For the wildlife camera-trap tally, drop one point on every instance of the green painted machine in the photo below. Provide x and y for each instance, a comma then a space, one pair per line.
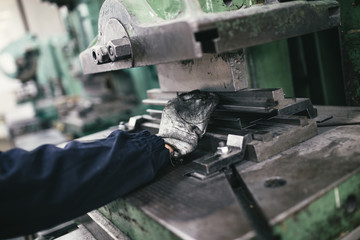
269, 167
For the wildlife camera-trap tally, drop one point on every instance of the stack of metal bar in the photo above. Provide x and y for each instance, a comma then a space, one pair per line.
251, 124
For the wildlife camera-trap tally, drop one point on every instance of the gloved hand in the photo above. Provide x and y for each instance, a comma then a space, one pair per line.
184, 121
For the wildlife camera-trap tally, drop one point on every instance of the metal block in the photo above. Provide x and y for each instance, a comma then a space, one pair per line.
263, 136
213, 163
253, 97
283, 137
297, 106
236, 141
226, 155
218, 73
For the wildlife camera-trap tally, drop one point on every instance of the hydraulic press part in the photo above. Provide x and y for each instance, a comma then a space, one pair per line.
155, 39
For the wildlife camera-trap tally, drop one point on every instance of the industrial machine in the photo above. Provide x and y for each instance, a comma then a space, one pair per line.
267, 168
55, 90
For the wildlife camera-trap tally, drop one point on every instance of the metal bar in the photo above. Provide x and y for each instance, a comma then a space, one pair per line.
154, 113
236, 108
156, 102
105, 226
228, 122
211, 163
301, 105
292, 120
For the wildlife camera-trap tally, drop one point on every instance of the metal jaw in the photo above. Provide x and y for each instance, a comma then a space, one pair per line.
193, 31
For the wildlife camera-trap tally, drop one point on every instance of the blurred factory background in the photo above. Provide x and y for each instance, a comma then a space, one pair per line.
44, 97
309, 50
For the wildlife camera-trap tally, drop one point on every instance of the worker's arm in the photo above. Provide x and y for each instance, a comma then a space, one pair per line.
50, 185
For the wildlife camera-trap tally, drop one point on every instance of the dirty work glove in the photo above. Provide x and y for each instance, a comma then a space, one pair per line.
184, 121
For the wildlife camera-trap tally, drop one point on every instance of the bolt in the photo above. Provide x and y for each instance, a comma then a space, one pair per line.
100, 54
222, 149
119, 49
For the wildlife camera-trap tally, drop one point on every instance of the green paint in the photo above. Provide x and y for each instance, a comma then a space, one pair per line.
214, 6
143, 78
154, 11
350, 15
329, 217
350, 36
269, 66
255, 25
316, 67
354, 52
82, 22
330, 74
72, 85
135, 223
166, 9
143, 11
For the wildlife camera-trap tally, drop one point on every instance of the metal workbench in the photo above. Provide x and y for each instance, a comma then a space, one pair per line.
310, 191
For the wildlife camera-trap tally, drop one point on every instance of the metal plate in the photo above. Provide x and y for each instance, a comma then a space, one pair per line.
310, 169
191, 208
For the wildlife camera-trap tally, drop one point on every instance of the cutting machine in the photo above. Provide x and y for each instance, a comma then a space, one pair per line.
262, 170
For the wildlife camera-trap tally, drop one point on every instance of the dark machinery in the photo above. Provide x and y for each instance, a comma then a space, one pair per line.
261, 171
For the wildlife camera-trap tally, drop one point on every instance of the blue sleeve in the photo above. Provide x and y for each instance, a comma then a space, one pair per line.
50, 185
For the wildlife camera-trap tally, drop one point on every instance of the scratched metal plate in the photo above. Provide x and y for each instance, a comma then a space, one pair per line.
193, 208
310, 169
